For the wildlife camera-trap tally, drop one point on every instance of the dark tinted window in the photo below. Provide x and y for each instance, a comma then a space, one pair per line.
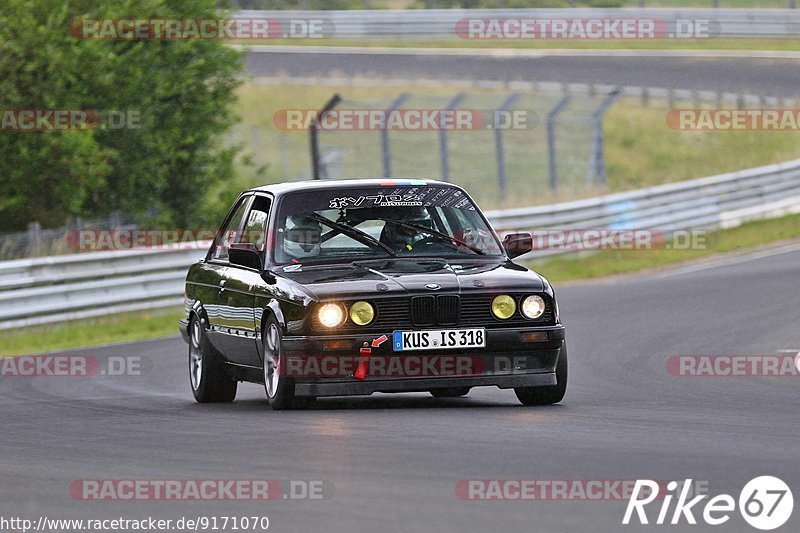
231, 232
255, 229
380, 221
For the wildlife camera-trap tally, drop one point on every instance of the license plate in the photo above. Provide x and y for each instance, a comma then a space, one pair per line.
438, 339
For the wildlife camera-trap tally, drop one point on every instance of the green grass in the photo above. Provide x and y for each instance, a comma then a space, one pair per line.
123, 327
611, 262
641, 150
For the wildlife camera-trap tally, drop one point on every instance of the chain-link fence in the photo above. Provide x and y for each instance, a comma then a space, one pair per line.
559, 155
556, 153
513, 148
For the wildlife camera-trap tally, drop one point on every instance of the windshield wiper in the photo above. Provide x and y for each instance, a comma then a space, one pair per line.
361, 236
433, 232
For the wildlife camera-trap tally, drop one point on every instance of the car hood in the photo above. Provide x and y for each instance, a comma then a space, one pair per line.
412, 276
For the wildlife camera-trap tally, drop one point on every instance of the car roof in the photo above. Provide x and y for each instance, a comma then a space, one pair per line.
293, 186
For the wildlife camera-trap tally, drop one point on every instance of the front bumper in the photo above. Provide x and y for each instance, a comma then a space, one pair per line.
368, 386
507, 361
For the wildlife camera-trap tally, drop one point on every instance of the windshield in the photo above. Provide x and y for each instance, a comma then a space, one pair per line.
377, 222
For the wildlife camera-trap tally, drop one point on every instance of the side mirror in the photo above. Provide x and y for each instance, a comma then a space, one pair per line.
245, 254
517, 244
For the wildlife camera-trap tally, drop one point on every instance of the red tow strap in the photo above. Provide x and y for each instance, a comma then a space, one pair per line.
364, 355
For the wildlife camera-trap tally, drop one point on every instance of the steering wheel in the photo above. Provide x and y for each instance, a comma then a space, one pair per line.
432, 239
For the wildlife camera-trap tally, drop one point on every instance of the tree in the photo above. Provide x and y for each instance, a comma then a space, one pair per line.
179, 90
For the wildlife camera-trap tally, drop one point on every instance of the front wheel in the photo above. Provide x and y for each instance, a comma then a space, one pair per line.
551, 394
279, 388
209, 382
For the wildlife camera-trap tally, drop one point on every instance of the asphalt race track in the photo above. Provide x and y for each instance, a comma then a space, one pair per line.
392, 462
772, 77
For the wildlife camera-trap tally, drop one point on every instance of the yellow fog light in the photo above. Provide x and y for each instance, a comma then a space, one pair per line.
533, 306
362, 313
503, 306
331, 315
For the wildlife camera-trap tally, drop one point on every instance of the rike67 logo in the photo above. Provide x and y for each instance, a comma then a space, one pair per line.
766, 503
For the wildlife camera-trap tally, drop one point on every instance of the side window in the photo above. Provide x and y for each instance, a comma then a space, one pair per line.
471, 230
255, 229
440, 220
229, 234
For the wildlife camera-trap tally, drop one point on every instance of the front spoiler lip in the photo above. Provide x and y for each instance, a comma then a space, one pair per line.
365, 388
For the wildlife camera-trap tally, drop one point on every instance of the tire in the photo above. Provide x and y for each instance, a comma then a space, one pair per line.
209, 382
279, 388
550, 394
450, 392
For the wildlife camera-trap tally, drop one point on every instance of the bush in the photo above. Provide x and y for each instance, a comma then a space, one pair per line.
180, 89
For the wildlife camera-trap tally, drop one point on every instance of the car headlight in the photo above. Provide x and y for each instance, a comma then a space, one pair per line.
533, 306
503, 306
331, 315
362, 313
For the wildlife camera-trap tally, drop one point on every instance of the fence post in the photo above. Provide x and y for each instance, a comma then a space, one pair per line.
313, 136
284, 147
551, 139
597, 156
443, 137
498, 145
34, 237
387, 157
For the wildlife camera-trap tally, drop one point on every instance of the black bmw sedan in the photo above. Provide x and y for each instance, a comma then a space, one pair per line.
333, 288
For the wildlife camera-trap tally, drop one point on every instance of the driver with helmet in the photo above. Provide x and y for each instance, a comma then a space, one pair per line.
302, 237
403, 238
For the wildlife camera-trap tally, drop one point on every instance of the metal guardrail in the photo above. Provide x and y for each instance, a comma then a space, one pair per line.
441, 23
716, 202
53, 289
705, 203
